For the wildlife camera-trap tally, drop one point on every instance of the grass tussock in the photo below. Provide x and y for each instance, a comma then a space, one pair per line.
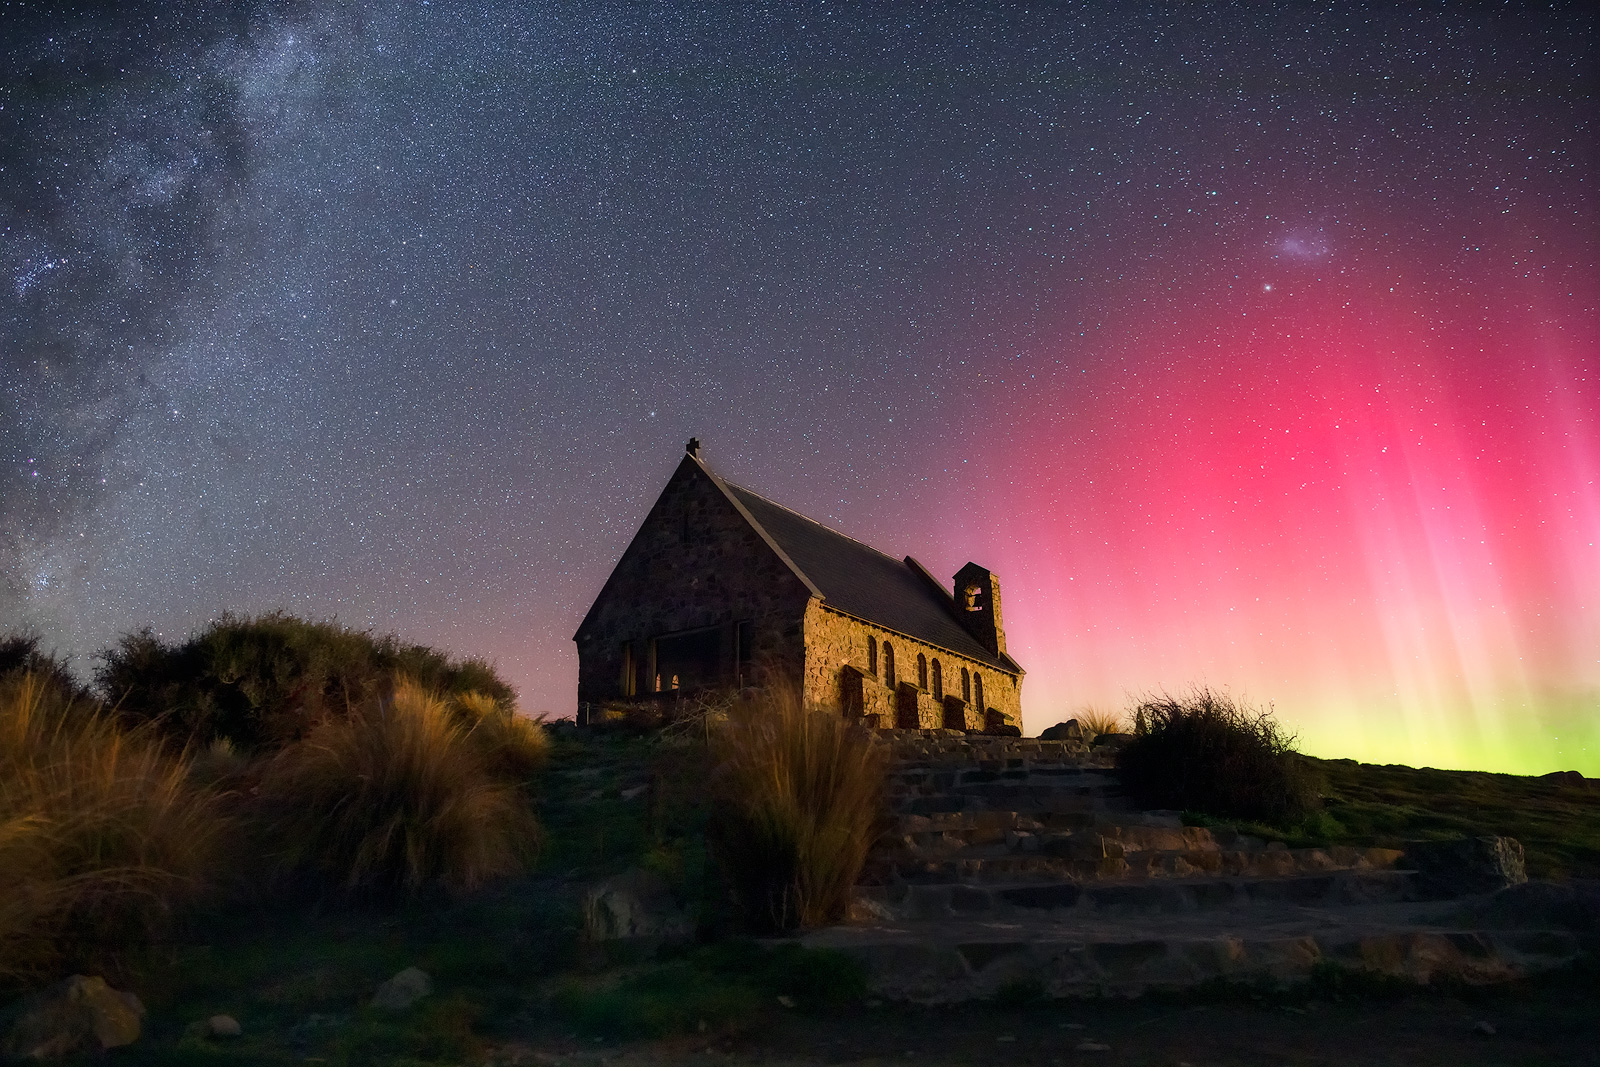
1095, 721
796, 801
1206, 752
398, 796
515, 745
102, 831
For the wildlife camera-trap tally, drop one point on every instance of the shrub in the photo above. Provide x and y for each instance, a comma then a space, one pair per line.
397, 797
796, 802
19, 655
102, 831
1205, 752
266, 681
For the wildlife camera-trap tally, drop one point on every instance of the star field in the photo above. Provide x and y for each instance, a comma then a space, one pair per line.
1249, 345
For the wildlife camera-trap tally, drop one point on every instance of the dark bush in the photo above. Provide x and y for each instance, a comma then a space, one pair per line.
1206, 753
264, 682
19, 655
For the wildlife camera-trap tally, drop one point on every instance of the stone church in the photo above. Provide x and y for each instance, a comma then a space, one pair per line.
723, 589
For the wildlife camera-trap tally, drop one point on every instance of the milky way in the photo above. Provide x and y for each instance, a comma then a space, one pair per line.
1252, 347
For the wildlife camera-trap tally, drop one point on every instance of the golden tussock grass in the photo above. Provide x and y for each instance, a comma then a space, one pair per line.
102, 831
397, 796
797, 798
516, 745
1096, 721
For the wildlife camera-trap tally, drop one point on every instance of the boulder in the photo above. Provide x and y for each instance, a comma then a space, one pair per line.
1112, 741
1063, 731
634, 904
403, 990
223, 1026
1467, 866
76, 1016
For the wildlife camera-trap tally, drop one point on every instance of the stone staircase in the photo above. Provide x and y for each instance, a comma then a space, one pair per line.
1018, 863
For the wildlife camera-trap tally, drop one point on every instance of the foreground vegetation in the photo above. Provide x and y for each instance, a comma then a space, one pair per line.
262, 682
118, 826
1205, 751
798, 799
265, 850
103, 832
280, 875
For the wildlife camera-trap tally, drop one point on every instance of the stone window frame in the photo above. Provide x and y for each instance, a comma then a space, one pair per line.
888, 665
977, 691
872, 656
966, 685
922, 672
938, 680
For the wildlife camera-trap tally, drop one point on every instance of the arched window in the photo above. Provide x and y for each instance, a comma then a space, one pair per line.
872, 656
977, 686
938, 681
922, 672
888, 663
966, 686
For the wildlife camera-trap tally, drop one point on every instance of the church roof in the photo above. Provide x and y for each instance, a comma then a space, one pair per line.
859, 580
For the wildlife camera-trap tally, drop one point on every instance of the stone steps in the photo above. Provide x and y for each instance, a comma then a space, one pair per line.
995, 863
971, 899
1013, 861
1092, 953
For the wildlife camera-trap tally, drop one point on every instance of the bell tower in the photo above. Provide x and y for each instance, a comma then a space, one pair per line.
978, 605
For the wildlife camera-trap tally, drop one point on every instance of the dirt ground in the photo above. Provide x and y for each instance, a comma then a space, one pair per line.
1553, 1024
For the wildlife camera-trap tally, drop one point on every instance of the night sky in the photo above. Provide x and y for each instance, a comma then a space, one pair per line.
1255, 347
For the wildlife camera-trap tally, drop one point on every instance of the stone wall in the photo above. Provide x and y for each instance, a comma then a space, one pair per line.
695, 562
834, 640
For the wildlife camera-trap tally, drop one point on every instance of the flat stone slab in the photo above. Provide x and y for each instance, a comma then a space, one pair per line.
952, 960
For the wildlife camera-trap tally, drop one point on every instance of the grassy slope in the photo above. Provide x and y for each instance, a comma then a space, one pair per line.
298, 977
1558, 824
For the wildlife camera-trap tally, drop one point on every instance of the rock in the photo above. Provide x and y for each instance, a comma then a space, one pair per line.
1115, 741
403, 990
1063, 731
223, 1026
1003, 729
1093, 1046
634, 904
864, 909
79, 1015
1483, 1029
1467, 866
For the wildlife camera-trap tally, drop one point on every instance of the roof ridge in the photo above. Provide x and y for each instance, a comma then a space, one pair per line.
814, 522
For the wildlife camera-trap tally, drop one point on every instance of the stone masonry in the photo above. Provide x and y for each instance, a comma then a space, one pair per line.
695, 564
834, 641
